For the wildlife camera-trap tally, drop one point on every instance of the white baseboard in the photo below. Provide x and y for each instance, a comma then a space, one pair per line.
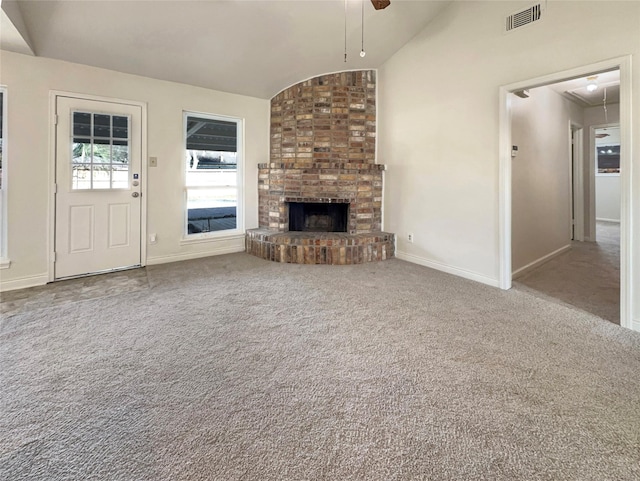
537, 263
635, 325
24, 282
194, 255
456, 271
615, 221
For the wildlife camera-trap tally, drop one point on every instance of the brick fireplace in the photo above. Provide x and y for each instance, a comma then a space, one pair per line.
320, 196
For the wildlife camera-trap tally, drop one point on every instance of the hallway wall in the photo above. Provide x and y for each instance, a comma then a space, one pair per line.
541, 175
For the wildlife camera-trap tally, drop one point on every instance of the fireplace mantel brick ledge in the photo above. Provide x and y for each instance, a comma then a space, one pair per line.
323, 136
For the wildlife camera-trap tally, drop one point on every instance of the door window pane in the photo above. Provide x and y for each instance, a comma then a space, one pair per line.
101, 177
101, 125
120, 152
100, 151
82, 124
119, 177
120, 127
81, 176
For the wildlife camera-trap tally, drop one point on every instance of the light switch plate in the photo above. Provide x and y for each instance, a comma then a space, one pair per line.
153, 161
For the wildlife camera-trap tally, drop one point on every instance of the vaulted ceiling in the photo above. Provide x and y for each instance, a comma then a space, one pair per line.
254, 48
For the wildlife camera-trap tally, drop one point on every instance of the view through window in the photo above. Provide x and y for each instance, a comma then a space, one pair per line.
212, 166
608, 150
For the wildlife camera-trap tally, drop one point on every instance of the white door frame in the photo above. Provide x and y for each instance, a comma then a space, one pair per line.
504, 189
53, 95
577, 181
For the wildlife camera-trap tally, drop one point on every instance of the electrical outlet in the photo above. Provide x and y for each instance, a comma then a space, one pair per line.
410, 237
153, 238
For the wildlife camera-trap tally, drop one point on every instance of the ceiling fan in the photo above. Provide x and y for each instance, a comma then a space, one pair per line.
380, 4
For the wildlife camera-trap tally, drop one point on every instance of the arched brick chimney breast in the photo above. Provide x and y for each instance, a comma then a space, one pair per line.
323, 138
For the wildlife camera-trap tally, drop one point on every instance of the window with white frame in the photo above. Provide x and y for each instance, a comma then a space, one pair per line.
3, 178
608, 151
213, 165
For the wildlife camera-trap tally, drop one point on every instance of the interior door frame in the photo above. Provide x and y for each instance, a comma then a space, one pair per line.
504, 187
577, 181
53, 96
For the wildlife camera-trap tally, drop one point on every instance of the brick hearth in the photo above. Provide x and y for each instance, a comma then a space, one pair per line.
319, 247
323, 151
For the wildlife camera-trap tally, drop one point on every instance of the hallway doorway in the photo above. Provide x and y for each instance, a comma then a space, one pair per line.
562, 260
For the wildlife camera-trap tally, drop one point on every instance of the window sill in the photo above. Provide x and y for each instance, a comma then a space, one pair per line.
209, 237
5, 263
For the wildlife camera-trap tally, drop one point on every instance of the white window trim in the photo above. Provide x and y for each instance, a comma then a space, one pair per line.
223, 234
5, 262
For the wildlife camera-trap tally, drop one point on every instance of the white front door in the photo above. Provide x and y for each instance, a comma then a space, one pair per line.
98, 186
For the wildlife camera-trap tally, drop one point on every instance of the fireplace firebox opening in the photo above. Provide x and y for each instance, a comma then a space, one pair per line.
318, 217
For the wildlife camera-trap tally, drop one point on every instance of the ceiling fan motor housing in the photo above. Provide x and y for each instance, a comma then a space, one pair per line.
380, 4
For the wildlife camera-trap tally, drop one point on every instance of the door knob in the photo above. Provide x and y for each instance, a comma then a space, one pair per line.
135, 194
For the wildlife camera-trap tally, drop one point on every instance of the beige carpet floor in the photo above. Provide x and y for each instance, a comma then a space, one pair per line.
587, 276
235, 368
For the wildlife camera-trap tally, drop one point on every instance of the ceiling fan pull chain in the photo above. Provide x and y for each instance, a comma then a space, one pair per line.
362, 52
345, 31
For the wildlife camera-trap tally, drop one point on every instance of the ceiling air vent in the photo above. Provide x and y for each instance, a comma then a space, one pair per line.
524, 17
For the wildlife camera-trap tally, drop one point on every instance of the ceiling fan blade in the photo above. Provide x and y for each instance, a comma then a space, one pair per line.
380, 4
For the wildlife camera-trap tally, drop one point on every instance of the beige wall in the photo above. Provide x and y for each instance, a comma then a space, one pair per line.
541, 175
608, 198
30, 80
439, 120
